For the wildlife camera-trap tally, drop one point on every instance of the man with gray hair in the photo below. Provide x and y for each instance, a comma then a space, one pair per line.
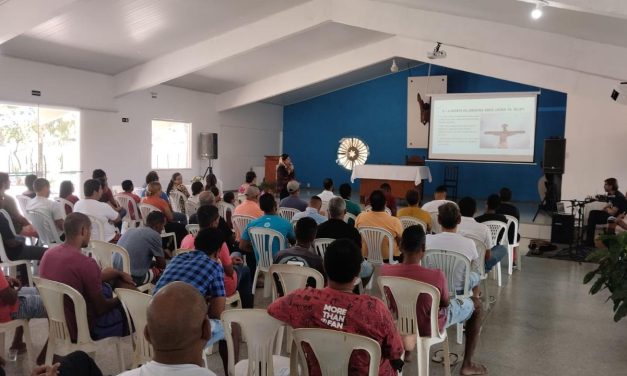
250, 206
312, 211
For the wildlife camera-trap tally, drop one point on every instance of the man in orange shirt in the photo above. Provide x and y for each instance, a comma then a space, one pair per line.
250, 207
379, 218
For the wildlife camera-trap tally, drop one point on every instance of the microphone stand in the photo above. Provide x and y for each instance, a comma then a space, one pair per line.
577, 250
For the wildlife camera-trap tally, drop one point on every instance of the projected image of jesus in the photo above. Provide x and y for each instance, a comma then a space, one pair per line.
503, 135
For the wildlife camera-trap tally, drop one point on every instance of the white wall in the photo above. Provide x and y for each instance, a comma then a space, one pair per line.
123, 150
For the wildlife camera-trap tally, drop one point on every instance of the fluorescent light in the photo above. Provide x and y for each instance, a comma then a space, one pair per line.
536, 13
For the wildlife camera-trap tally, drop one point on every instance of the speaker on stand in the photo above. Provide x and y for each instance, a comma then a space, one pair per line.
553, 165
208, 150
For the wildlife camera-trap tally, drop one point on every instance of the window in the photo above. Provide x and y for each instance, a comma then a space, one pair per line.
171, 146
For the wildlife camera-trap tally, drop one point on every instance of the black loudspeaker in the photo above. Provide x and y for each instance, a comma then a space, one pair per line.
208, 146
563, 228
554, 155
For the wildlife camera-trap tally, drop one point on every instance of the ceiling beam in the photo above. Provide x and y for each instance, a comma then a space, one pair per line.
19, 16
610, 8
203, 54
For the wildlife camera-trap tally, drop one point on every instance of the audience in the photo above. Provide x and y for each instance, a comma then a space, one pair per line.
66, 263
107, 195
216, 193
336, 307
127, 190
153, 197
351, 207
21, 224
327, 194
178, 329
176, 184
284, 173
293, 200
28, 182
152, 176
379, 218
250, 207
452, 310
91, 205
66, 191
76, 363
413, 210
469, 226
197, 188
312, 211
16, 249
390, 201
250, 179
449, 218
42, 204
143, 244
439, 199
206, 198
303, 252
617, 205
492, 204
507, 208
236, 274
211, 181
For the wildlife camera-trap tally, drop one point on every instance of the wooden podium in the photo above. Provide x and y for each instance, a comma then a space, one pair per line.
400, 178
270, 165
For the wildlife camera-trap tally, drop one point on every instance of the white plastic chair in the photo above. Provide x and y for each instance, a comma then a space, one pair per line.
407, 221
260, 331
177, 200
65, 203
59, 342
333, 349
145, 209
11, 265
449, 262
135, 305
288, 213
435, 225
349, 216
191, 207
387, 210
129, 204
97, 228
193, 229
241, 197
496, 228
240, 222
224, 207
10, 327
512, 221
104, 254
405, 292
45, 227
321, 245
479, 267
374, 237
23, 202
262, 239
7, 216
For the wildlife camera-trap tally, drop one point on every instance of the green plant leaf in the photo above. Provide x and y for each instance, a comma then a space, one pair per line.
620, 312
589, 276
596, 287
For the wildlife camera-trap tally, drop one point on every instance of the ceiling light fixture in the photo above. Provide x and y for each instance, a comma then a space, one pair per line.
536, 13
394, 67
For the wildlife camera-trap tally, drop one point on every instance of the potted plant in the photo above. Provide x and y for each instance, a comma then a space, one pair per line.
611, 272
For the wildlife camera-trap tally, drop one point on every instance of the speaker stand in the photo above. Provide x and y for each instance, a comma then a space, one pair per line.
209, 170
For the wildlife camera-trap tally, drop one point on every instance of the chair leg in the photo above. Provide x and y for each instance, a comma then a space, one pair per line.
29, 345
120, 356
510, 260
267, 284
486, 295
278, 344
518, 260
447, 357
460, 334
255, 280
422, 361
498, 274
50, 352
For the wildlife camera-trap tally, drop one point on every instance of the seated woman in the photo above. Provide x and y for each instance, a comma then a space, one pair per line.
176, 184
21, 224
229, 198
197, 187
66, 191
153, 197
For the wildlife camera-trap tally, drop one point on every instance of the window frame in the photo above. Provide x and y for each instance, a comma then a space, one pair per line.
189, 144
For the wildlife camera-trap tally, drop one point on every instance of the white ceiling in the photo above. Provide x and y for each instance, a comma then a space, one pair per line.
285, 51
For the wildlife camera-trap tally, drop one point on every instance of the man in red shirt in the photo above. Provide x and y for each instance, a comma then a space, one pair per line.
336, 307
452, 312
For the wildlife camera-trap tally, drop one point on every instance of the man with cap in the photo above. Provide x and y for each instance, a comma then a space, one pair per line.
293, 201
250, 206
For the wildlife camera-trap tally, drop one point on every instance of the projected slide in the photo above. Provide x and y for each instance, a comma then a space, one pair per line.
483, 127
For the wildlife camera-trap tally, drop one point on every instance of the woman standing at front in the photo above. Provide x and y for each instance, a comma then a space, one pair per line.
284, 173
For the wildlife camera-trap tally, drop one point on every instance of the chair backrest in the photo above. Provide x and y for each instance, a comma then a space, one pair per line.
479, 266
333, 350
496, 228
292, 277
512, 221
46, 229
177, 200
52, 294
193, 229
374, 238
191, 207
135, 304
145, 209
65, 203
129, 204
7, 216
240, 222
449, 262
104, 254
349, 216
405, 293
435, 225
260, 330
241, 197
321, 245
407, 221
369, 208
262, 240
287, 213
23, 202
97, 228
224, 207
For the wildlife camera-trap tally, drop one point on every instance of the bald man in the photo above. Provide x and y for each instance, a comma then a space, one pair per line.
177, 329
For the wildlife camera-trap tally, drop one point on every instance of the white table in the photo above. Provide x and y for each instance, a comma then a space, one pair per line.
400, 178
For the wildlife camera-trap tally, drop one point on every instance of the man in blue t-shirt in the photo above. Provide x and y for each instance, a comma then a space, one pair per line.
271, 221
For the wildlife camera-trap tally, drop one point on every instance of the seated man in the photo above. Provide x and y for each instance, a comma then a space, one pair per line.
178, 329
336, 228
17, 250
271, 221
107, 195
351, 207
197, 188
29, 180
250, 206
66, 264
617, 205
92, 189
494, 252
413, 210
390, 201
449, 240
128, 188
303, 252
293, 201
439, 198
379, 218
452, 311
41, 203
312, 211
201, 269
507, 208
327, 194
336, 307
143, 244
492, 204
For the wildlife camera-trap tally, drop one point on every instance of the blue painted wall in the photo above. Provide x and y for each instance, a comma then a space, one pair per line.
376, 112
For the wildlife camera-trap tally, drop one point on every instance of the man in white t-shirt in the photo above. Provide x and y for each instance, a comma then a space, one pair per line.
44, 205
327, 194
178, 329
439, 199
449, 240
100, 210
